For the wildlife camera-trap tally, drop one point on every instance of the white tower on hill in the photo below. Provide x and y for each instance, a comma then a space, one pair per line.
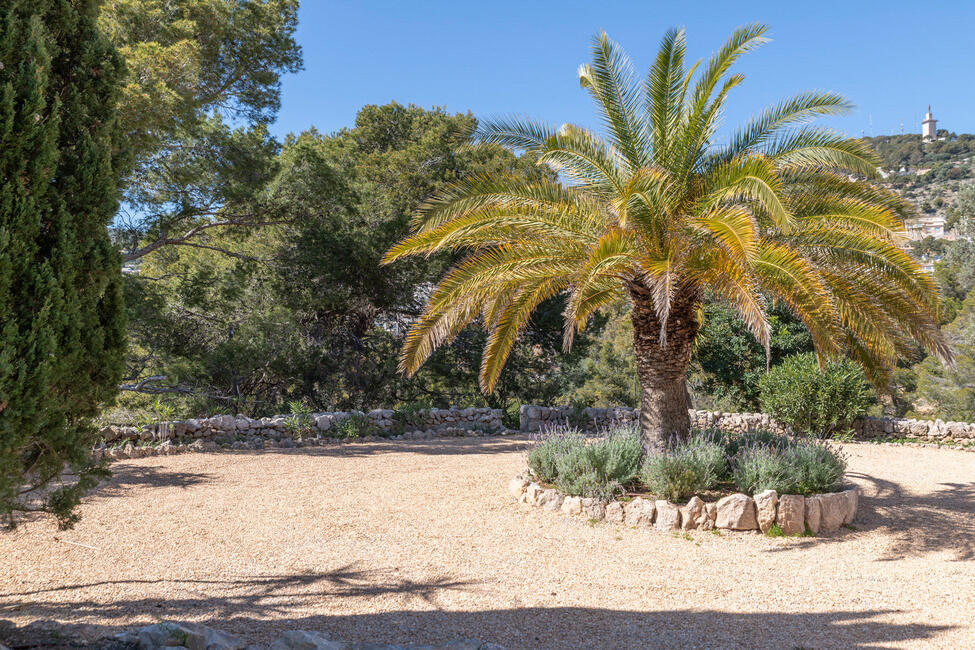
929, 127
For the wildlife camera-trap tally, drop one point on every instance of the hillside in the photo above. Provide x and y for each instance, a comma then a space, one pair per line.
929, 174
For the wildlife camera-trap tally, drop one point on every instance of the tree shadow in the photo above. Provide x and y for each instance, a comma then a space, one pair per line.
257, 596
126, 477
433, 446
915, 524
520, 627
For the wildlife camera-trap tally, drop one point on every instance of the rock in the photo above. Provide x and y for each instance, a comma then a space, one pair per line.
814, 514
668, 515
834, 507
712, 512
694, 514
188, 635
639, 512
550, 499
572, 505
852, 498
792, 509
594, 509
302, 640
614, 512
517, 486
532, 492
736, 512
765, 504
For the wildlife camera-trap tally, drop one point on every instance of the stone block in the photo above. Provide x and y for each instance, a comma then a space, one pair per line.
639, 512
765, 507
668, 515
791, 514
694, 515
736, 512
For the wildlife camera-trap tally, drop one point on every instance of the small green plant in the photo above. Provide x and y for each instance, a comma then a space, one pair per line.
814, 401
691, 466
850, 527
716, 532
807, 532
299, 422
159, 412
410, 416
845, 436
354, 426
774, 531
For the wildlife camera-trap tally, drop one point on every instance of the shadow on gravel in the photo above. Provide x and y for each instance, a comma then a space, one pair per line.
579, 627
257, 596
125, 477
915, 524
433, 447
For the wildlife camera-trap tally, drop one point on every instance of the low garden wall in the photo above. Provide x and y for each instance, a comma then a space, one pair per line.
534, 418
241, 432
290, 430
793, 514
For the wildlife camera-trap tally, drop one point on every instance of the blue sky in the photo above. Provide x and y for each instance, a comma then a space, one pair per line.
891, 58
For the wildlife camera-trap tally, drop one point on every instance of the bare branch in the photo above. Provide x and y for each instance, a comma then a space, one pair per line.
183, 239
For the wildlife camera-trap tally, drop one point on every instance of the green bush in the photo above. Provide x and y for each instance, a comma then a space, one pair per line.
812, 401
695, 465
804, 467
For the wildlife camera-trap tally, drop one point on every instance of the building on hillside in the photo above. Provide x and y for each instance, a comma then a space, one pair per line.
929, 127
929, 225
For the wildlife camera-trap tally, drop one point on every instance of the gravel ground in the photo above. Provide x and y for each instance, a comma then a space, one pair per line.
420, 542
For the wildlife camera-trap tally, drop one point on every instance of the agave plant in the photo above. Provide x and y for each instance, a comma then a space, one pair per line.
654, 211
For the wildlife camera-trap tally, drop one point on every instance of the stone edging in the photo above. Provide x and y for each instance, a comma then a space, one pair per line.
792, 512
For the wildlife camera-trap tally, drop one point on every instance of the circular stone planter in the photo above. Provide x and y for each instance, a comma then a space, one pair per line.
792, 513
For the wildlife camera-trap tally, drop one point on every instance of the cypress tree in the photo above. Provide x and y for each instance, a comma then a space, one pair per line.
62, 332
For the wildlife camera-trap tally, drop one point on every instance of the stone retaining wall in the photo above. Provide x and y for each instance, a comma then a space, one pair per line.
288, 430
534, 418
229, 429
792, 513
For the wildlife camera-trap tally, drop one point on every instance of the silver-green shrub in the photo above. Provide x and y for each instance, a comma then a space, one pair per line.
694, 465
803, 467
550, 445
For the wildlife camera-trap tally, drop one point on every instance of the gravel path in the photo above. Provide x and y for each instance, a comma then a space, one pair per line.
420, 542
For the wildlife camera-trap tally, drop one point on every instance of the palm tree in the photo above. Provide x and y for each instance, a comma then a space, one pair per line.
658, 214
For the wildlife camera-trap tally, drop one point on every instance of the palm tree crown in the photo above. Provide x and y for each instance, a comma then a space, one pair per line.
655, 212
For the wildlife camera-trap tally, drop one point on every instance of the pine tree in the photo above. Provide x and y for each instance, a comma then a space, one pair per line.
62, 331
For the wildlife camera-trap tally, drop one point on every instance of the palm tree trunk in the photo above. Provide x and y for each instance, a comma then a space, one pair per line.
662, 368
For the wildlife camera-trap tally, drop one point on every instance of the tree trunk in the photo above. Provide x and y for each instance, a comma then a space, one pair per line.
662, 369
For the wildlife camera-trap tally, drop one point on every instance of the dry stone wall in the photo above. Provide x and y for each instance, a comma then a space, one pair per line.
316, 428
536, 418
290, 430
